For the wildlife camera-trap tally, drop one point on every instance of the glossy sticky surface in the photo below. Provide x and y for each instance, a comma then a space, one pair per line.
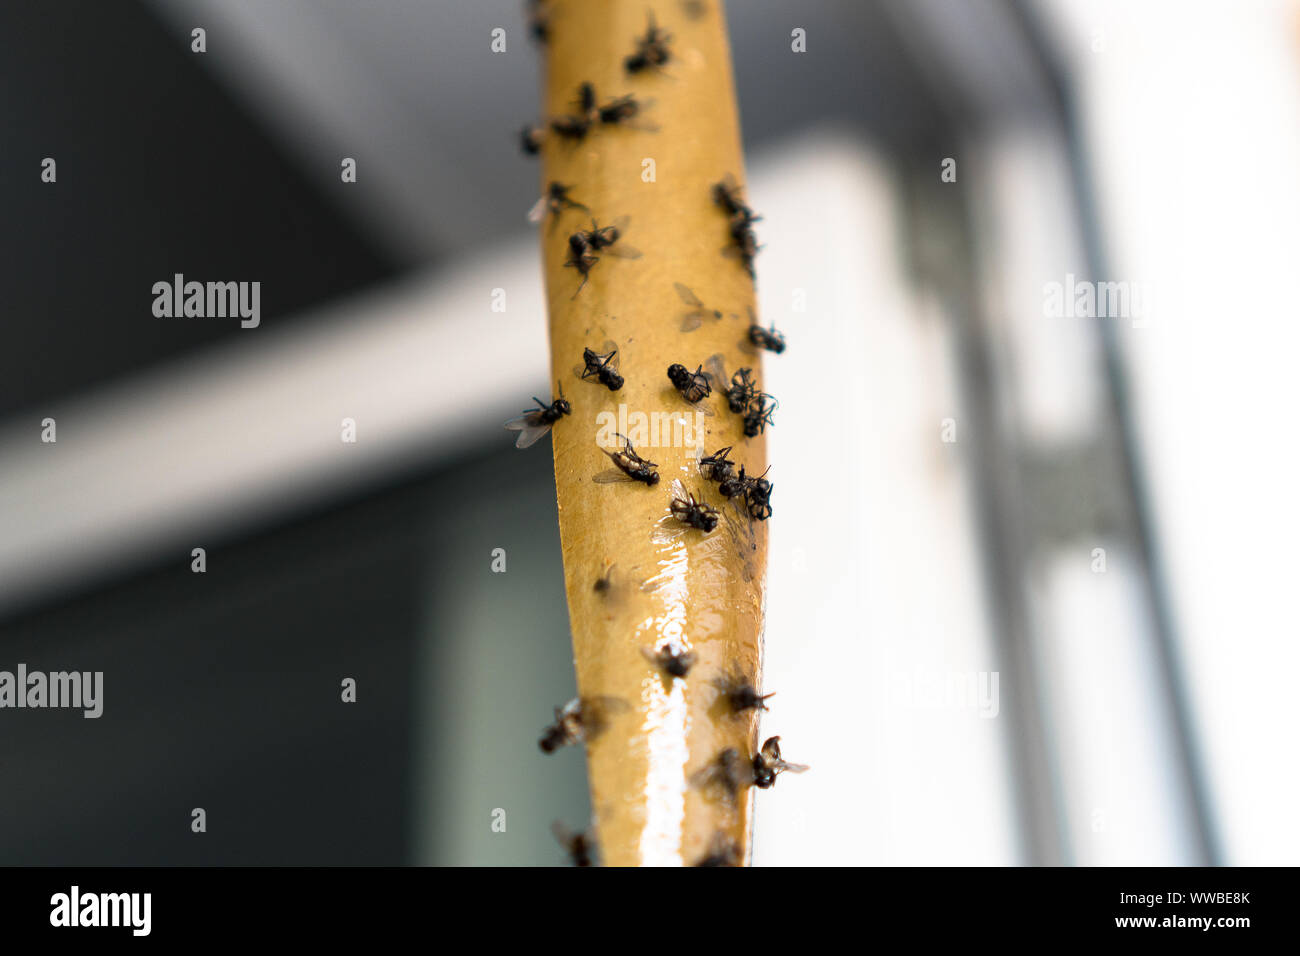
668, 584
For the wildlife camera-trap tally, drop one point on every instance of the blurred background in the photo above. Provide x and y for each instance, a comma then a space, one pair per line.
1044, 613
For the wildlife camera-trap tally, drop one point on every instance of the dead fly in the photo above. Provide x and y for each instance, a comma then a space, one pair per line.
718, 467
570, 127
674, 660
768, 338
630, 465
740, 391
759, 414
768, 763
603, 238
555, 200
623, 110
739, 692
580, 847
723, 851
651, 50
725, 776
735, 485
727, 195
693, 385
539, 21
583, 262
687, 509
602, 366
605, 582
758, 498
693, 319
744, 244
581, 719
530, 139
536, 422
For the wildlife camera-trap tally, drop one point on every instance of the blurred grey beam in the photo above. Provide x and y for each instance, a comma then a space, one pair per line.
204, 448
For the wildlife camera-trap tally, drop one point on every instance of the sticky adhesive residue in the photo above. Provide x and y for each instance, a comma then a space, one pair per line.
665, 729
666, 724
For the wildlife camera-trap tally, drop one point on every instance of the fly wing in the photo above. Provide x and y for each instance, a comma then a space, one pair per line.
610, 475
687, 296
717, 371
792, 767
538, 212
623, 251
529, 427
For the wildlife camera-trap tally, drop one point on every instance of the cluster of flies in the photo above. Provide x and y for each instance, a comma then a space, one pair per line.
582, 719
725, 777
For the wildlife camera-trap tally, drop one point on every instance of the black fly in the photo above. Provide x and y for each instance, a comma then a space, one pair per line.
759, 414
603, 366
718, 467
581, 719
693, 385
536, 422
739, 692
630, 465
674, 660
603, 238
530, 139
725, 776
758, 498
580, 847
741, 219
583, 262
768, 763
651, 50
768, 338
539, 21
687, 509
555, 200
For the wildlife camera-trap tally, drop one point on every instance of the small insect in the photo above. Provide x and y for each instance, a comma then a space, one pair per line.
727, 195
586, 102
581, 719
531, 139
759, 414
605, 582
723, 851
758, 498
629, 465
693, 319
693, 385
726, 775
555, 200
622, 110
580, 847
718, 467
744, 244
570, 127
651, 50
741, 391
733, 486
602, 238
768, 338
687, 509
583, 262
536, 422
768, 763
739, 692
602, 366
539, 21
674, 660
